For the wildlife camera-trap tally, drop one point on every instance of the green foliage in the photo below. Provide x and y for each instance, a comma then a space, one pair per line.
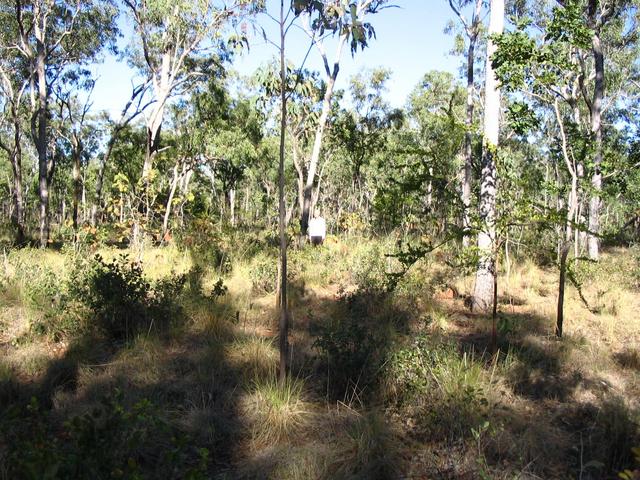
628, 474
349, 348
264, 275
447, 387
613, 434
46, 293
369, 268
569, 24
635, 268
342, 18
124, 302
110, 441
354, 342
521, 117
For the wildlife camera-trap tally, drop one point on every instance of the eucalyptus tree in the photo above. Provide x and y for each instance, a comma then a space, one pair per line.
283, 331
226, 131
304, 96
178, 43
612, 24
52, 36
484, 291
305, 92
417, 174
13, 86
552, 73
76, 128
472, 28
547, 71
435, 108
362, 128
134, 107
348, 22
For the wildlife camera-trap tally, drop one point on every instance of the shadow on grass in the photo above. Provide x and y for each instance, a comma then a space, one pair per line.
163, 405
173, 404
174, 395
591, 438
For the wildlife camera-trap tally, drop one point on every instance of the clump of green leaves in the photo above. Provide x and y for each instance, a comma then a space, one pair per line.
355, 341
264, 275
444, 390
111, 441
124, 302
369, 269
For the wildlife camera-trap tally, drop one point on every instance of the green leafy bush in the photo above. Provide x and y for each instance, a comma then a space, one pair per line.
264, 275
124, 302
444, 389
110, 441
369, 269
194, 279
354, 342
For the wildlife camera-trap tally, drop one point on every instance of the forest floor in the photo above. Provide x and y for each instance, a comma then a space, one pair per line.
383, 385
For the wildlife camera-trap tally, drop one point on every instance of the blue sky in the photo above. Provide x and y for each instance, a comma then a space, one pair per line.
410, 41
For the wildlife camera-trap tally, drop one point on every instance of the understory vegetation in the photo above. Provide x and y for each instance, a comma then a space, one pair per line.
240, 239
155, 364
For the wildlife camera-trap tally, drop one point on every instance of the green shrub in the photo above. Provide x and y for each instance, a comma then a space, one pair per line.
355, 341
110, 441
445, 390
124, 302
194, 279
369, 268
611, 436
264, 275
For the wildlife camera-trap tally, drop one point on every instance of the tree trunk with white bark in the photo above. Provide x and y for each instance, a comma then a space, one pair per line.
483, 292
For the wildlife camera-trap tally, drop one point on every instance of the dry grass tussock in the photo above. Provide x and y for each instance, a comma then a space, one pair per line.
276, 412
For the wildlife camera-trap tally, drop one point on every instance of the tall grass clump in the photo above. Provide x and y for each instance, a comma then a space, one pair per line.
255, 356
277, 412
368, 449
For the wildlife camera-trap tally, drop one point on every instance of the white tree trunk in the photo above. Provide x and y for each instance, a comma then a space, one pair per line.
596, 129
172, 192
483, 294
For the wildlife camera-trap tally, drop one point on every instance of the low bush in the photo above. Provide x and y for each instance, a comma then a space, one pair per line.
264, 275
110, 441
355, 341
611, 437
369, 268
124, 302
444, 390
263, 272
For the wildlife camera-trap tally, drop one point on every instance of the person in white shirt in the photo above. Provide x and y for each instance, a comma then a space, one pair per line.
317, 229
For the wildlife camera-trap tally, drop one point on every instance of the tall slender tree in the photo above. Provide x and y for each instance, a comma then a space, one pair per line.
135, 106
485, 275
180, 42
322, 20
14, 83
284, 308
51, 36
472, 28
